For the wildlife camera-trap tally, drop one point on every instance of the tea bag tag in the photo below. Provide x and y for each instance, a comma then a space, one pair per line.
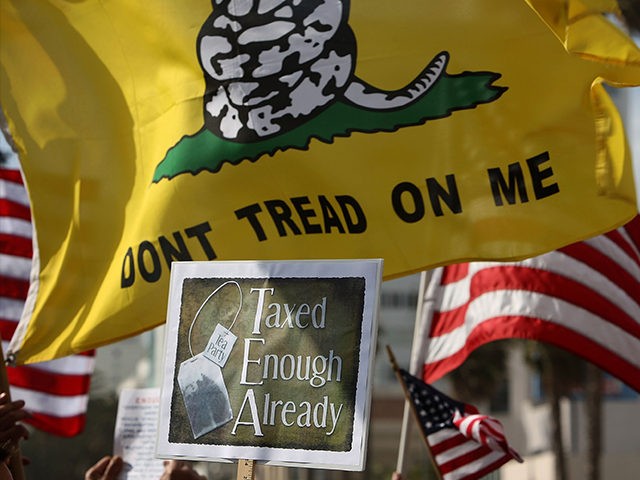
220, 344
205, 395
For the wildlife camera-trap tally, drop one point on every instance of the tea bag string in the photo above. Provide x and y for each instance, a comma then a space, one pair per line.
205, 302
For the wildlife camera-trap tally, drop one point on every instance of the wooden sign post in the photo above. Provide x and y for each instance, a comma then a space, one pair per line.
245, 470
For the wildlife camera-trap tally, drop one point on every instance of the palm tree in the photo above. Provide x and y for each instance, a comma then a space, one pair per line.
593, 399
561, 373
482, 373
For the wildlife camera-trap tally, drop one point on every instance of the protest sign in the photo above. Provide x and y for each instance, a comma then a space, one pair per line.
270, 361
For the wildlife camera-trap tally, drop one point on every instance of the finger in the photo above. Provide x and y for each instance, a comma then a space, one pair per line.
180, 466
182, 475
113, 468
9, 439
11, 413
14, 416
180, 470
23, 431
13, 433
95, 472
186, 472
7, 408
6, 404
17, 432
172, 465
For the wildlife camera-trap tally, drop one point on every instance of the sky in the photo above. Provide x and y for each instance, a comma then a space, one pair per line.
6, 150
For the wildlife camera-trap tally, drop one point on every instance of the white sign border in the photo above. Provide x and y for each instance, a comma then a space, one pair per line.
353, 460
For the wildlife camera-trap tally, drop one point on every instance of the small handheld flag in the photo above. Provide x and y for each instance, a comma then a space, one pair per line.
463, 444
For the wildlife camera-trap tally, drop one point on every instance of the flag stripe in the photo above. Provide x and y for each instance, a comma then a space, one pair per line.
479, 468
53, 405
16, 226
62, 426
619, 271
631, 232
464, 454
15, 210
622, 240
12, 288
10, 309
11, 188
455, 273
513, 279
8, 327
15, 266
511, 303
534, 329
445, 439
16, 246
71, 365
67, 385
56, 392
10, 175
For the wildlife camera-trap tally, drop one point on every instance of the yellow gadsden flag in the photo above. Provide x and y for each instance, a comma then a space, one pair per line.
420, 132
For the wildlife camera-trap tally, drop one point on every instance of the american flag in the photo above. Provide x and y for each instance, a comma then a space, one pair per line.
584, 298
56, 392
448, 427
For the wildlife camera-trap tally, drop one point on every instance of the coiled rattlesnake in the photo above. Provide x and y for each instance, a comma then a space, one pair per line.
270, 65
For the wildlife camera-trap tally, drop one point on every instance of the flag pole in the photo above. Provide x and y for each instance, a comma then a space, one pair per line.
417, 359
16, 458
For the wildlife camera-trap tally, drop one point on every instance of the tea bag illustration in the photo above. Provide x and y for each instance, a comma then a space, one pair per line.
200, 378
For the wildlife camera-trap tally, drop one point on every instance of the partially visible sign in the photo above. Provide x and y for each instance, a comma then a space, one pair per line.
135, 429
270, 361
